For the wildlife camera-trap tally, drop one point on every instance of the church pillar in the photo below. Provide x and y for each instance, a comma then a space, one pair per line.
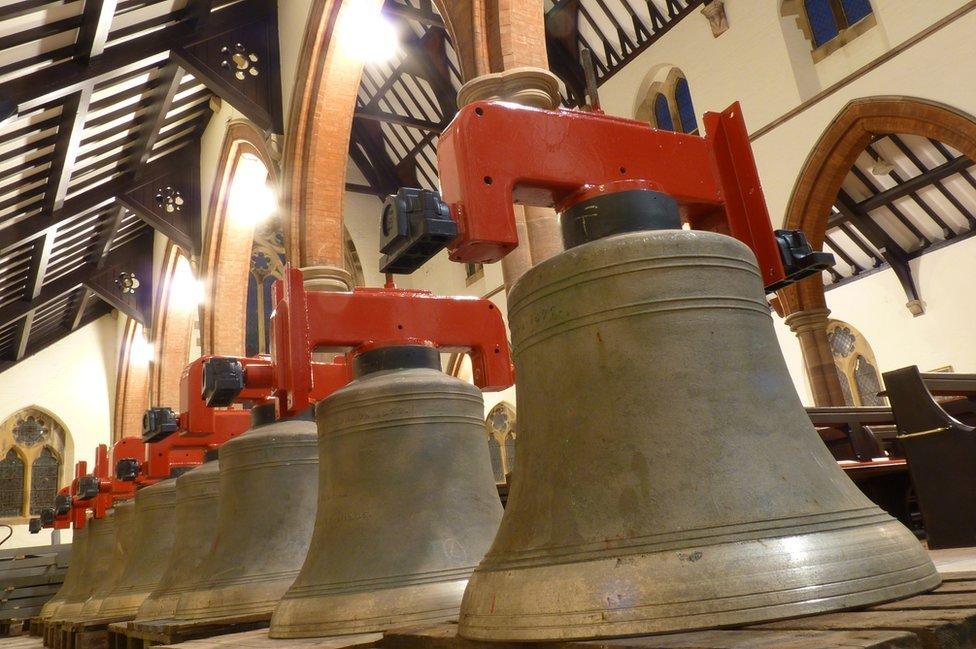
810, 327
538, 228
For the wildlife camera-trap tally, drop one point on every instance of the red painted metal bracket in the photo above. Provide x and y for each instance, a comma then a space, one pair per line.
367, 318
559, 158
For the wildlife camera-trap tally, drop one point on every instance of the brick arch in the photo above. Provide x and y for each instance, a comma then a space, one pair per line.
820, 179
171, 331
835, 153
227, 250
488, 37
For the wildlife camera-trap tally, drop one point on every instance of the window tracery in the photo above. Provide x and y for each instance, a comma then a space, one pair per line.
32, 459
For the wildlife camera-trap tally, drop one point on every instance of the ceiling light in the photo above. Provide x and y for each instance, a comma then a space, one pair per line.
366, 34
252, 200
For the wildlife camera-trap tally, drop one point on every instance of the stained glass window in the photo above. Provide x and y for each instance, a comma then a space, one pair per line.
856, 10
510, 452
495, 453
30, 430
44, 480
686, 109
662, 113
11, 485
823, 23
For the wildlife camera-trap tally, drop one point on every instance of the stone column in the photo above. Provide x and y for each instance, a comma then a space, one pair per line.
538, 228
545, 235
327, 278
810, 327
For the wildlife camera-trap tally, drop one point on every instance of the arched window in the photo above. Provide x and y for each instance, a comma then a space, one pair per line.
828, 18
32, 467
11, 485
686, 109
855, 364
44, 480
662, 113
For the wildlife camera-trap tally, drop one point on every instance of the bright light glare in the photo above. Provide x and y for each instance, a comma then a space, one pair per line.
366, 34
142, 351
186, 292
251, 200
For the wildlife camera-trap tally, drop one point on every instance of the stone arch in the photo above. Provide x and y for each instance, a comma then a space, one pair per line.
815, 191
227, 250
323, 104
661, 80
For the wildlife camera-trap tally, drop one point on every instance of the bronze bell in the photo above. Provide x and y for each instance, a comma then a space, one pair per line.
110, 565
72, 578
668, 477
196, 529
407, 500
98, 564
267, 486
152, 540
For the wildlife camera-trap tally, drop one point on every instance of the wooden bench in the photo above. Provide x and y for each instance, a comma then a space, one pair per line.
941, 453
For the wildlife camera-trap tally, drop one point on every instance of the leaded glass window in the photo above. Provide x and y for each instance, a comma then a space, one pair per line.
495, 453
510, 453
868, 382
44, 480
662, 113
686, 109
11, 485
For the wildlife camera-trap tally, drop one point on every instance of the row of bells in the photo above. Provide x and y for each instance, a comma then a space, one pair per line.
668, 479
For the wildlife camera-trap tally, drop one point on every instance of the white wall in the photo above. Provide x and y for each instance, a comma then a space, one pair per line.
75, 380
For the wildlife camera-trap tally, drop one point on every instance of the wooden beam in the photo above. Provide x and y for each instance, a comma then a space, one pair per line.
161, 100
914, 184
82, 306
402, 120
109, 236
95, 24
40, 257
17, 310
23, 335
61, 79
424, 15
892, 253
363, 189
73, 114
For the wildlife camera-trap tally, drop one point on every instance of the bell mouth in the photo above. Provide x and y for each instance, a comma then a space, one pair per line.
618, 212
397, 357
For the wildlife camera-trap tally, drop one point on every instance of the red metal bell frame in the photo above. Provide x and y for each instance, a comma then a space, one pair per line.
368, 318
713, 178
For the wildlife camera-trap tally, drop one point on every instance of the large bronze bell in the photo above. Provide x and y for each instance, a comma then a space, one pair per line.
196, 529
407, 502
111, 565
72, 578
152, 540
268, 479
668, 477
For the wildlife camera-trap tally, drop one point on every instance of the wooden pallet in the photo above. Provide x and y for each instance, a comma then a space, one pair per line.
259, 639
88, 634
10, 628
138, 635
